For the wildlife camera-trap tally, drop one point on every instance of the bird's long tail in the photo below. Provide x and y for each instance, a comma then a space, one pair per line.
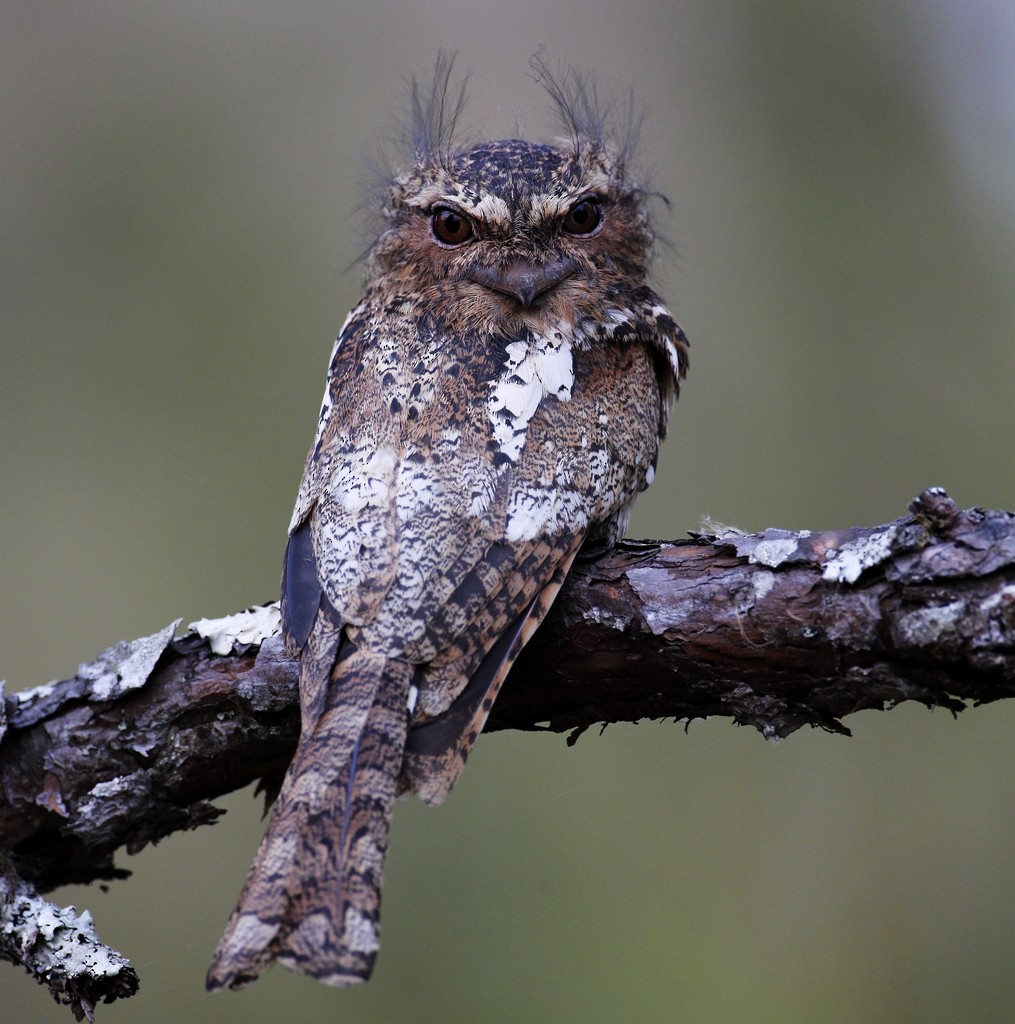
312, 897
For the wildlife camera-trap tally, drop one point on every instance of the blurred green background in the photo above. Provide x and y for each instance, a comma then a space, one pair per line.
179, 213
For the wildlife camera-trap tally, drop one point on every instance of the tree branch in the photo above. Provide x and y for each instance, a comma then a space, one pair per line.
60, 949
776, 630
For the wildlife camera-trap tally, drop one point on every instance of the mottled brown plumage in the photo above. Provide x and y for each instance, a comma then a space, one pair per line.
495, 401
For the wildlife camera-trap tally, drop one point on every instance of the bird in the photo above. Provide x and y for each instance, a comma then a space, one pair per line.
494, 404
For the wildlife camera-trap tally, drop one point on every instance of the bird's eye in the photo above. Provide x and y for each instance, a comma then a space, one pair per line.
583, 218
449, 226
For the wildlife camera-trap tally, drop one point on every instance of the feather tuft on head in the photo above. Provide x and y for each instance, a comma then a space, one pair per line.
589, 118
434, 110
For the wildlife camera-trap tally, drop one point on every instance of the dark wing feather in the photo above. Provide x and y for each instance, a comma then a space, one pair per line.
301, 588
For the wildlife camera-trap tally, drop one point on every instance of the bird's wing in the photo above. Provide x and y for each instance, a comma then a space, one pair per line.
438, 747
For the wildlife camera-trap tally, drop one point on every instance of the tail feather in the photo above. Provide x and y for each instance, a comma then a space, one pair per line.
312, 898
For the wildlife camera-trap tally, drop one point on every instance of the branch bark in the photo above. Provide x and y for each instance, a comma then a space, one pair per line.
60, 949
776, 630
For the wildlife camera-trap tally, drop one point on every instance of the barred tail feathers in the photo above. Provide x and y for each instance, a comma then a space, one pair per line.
312, 897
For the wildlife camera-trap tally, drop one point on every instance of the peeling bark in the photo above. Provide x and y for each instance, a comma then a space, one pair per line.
776, 630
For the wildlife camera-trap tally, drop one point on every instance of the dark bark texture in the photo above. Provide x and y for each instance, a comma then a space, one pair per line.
776, 630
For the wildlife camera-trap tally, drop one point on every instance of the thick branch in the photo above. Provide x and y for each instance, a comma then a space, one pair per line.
778, 630
775, 630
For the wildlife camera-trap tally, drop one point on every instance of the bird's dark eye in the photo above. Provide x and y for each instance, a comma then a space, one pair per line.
449, 226
583, 218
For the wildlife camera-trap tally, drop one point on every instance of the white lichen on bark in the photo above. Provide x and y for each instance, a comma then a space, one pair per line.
58, 946
251, 626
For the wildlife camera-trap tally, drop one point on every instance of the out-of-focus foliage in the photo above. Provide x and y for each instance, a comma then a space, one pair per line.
178, 205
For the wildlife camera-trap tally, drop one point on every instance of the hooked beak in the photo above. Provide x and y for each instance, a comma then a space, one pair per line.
524, 279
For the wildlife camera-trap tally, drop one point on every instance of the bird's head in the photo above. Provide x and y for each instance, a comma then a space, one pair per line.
511, 233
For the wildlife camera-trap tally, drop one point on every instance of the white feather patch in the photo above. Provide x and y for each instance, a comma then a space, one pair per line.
535, 368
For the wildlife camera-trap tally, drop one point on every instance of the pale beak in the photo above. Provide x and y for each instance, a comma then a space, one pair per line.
523, 279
